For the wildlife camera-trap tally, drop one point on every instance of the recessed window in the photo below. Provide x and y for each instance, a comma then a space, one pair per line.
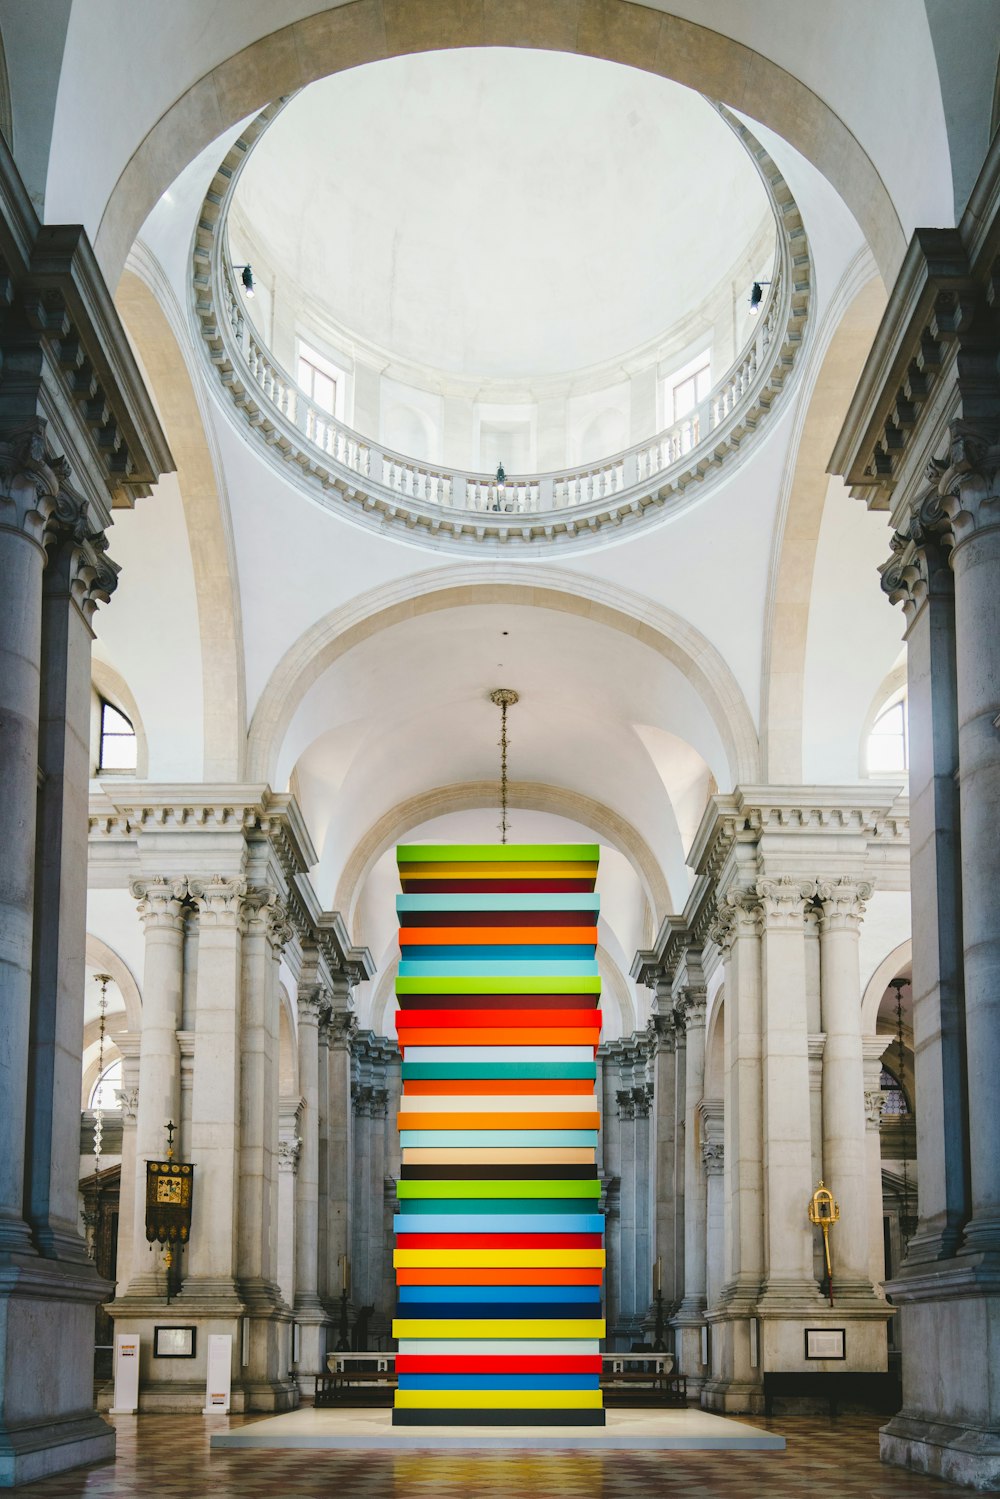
317, 378
104, 1094
690, 386
118, 747
888, 743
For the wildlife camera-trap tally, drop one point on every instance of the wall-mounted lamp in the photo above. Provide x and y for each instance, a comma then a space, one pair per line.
247, 279
757, 296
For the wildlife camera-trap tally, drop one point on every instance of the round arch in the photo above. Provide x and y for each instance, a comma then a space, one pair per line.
528, 796
365, 31
508, 583
879, 982
104, 958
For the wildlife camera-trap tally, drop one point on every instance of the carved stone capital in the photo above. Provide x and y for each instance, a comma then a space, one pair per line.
279, 929
311, 999
222, 901
626, 1103
642, 1101
842, 903
713, 1157
783, 901
288, 1154
968, 480
692, 1002
874, 1103
661, 1030
160, 902
30, 480
342, 1025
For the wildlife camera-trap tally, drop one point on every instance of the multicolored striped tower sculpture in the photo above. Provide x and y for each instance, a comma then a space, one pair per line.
499, 1233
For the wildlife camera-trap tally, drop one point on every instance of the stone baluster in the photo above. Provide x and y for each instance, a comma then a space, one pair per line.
845, 1155
161, 906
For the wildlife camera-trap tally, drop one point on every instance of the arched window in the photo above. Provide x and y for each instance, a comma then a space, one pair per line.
118, 744
104, 1094
894, 1101
888, 751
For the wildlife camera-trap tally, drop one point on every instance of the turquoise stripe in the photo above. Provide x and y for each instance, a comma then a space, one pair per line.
503, 1223
528, 901
487, 1138
473, 1070
497, 970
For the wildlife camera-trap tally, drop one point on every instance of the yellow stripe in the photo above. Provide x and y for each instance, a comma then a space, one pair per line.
498, 1327
498, 1399
427, 1258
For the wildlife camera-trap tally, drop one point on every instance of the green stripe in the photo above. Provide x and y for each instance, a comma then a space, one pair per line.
481, 1189
498, 853
438, 1070
498, 984
484, 1205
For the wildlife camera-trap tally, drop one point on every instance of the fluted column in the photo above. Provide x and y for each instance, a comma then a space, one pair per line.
309, 1310
970, 490
845, 1156
161, 906
215, 1099
789, 1278
28, 489
691, 1312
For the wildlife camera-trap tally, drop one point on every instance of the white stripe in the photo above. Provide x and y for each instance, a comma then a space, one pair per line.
545, 1347
524, 1053
495, 1103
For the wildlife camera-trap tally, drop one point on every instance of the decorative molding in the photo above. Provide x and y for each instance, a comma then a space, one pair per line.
288, 1154
161, 901
842, 902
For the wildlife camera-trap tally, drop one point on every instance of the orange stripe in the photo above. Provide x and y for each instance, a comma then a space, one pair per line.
501, 1038
527, 1120
570, 1275
507, 1085
496, 936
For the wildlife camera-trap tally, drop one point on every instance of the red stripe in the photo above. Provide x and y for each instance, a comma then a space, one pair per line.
416, 1020
425, 1363
499, 1241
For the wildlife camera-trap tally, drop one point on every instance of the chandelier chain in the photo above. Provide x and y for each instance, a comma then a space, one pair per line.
503, 698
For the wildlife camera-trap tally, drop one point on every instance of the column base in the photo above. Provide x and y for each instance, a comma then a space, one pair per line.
688, 1324
734, 1385
314, 1341
47, 1423
949, 1424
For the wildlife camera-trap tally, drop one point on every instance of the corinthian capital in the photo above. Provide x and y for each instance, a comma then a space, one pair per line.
783, 901
968, 479
30, 480
160, 901
221, 901
842, 902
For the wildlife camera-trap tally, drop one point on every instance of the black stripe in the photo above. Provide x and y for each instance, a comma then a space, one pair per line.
497, 1417
497, 1173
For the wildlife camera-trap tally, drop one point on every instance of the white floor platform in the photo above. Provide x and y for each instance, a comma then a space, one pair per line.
691, 1430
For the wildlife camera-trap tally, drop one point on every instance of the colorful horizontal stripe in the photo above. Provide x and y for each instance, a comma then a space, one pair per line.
499, 1234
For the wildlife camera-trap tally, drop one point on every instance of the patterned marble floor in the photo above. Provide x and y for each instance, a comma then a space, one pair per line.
166, 1456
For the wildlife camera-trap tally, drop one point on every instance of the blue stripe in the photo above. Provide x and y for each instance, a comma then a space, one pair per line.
499, 1382
498, 1293
484, 1223
475, 952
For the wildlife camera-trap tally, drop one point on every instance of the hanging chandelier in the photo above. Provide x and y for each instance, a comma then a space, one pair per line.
504, 698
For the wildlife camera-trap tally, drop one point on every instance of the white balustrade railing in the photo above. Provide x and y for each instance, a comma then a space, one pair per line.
456, 489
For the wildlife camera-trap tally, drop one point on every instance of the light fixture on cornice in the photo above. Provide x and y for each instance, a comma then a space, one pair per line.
503, 698
247, 279
757, 296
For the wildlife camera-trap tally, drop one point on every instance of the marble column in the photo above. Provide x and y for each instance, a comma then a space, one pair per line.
29, 485
215, 1098
341, 1189
845, 1153
161, 906
789, 1280
735, 1382
627, 1223
310, 1313
873, 1048
289, 1151
660, 1032
328, 1274
77, 575
129, 1043
970, 487
690, 1315
713, 1164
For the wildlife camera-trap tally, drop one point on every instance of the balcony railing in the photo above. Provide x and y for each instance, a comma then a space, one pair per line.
458, 504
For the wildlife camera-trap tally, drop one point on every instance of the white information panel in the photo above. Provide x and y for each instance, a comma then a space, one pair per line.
220, 1373
126, 1374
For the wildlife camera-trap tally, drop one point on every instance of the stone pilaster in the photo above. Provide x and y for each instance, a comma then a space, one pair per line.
289, 1152
690, 1316
661, 1038
310, 1312
342, 1027
713, 1160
